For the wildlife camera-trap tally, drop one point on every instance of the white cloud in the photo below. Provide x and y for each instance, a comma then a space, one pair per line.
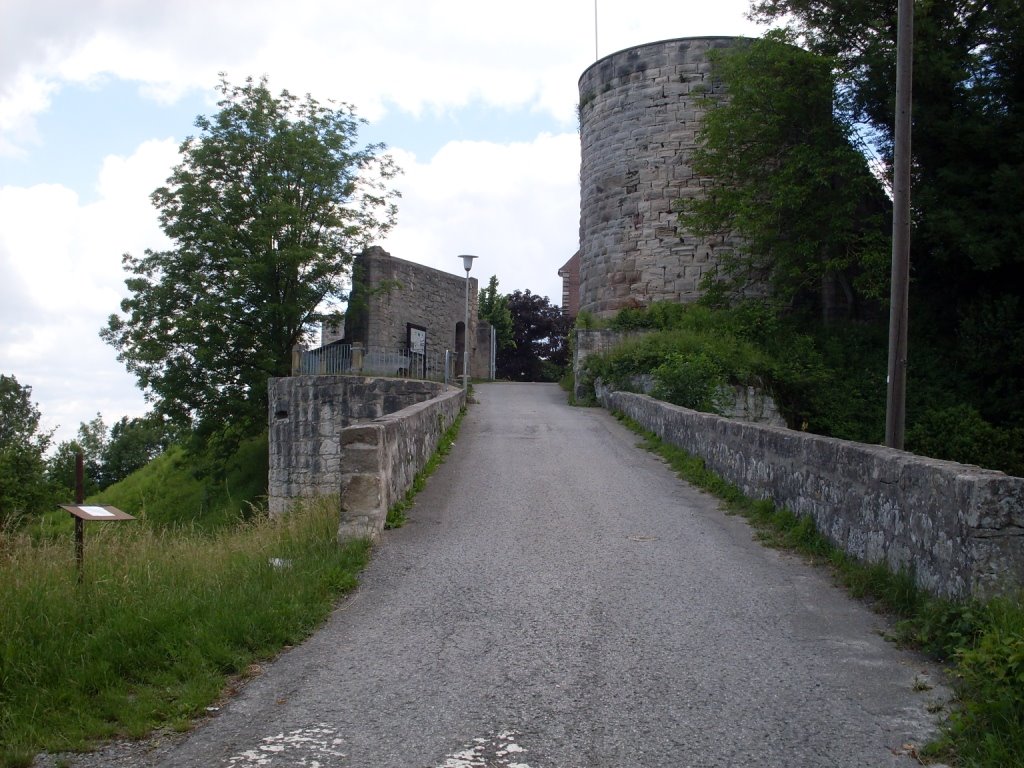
24, 96
60, 263
434, 55
514, 205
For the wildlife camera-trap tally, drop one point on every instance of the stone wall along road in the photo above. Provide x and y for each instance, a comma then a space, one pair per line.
559, 599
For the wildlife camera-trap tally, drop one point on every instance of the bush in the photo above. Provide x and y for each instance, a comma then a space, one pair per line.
693, 352
959, 433
696, 381
829, 379
988, 727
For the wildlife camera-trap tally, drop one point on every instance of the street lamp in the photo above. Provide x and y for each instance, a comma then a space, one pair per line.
467, 264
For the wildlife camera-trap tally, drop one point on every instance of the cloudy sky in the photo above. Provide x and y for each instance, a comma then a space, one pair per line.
474, 98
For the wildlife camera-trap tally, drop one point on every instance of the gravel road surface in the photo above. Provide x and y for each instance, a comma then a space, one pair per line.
559, 599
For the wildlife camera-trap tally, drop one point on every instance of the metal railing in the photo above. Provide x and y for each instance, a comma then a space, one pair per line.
358, 360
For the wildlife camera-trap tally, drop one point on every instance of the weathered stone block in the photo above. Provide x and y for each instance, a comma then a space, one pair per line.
361, 492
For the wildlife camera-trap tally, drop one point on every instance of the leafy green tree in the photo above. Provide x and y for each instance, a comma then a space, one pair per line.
967, 260
493, 307
23, 485
133, 444
968, 119
61, 469
539, 332
92, 440
808, 213
109, 456
272, 200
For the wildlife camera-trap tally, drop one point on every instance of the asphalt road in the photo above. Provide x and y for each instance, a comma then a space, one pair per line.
560, 599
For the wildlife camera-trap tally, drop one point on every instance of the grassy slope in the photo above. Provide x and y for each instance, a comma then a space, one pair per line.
167, 491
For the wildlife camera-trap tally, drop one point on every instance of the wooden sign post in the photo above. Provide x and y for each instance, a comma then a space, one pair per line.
82, 512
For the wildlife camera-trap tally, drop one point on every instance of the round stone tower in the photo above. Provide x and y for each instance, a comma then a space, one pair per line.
640, 111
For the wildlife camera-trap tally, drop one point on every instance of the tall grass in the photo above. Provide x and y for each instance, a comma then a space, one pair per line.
160, 622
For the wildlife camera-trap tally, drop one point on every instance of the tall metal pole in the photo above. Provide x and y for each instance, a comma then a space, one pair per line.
896, 393
467, 264
595, 30
465, 340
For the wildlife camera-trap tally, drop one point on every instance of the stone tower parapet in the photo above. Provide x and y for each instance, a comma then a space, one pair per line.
640, 113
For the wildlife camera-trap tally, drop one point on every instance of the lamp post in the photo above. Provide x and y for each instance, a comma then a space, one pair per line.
467, 264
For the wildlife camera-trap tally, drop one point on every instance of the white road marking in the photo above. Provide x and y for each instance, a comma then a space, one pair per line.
320, 745
492, 752
301, 748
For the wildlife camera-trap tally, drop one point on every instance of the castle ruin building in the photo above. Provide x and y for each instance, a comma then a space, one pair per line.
399, 304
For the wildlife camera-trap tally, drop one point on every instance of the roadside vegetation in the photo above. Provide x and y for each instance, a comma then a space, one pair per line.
165, 618
982, 643
826, 378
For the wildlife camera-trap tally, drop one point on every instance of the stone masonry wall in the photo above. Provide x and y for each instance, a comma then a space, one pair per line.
380, 459
640, 111
307, 417
959, 528
389, 294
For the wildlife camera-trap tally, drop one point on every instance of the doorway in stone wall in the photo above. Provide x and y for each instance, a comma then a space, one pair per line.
416, 343
460, 347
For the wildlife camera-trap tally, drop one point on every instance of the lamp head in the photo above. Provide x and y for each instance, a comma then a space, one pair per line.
467, 262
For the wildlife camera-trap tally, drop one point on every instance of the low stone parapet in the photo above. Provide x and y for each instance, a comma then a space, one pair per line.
380, 460
309, 414
959, 529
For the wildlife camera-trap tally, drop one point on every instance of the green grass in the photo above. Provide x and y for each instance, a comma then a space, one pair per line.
168, 491
396, 515
163, 619
983, 643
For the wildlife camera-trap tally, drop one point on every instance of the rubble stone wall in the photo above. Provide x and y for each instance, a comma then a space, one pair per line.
959, 529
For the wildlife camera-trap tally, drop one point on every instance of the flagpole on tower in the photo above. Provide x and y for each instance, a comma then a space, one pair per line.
595, 30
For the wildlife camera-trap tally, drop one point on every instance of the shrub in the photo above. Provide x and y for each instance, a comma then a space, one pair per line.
988, 727
696, 381
959, 433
